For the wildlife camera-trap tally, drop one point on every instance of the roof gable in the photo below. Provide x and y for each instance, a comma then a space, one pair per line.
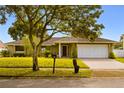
2, 44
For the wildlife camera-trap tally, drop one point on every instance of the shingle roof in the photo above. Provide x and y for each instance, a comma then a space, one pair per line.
51, 41
83, 40
18, 42
2, 44
55, 40
47, 43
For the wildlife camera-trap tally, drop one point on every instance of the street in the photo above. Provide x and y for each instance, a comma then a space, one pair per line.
99, 82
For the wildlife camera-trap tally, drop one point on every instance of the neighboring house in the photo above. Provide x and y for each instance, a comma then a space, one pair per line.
122, 40
69, 46
2, 46
119, 47
120, 44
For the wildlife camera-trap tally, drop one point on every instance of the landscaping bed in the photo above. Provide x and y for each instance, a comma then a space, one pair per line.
27, 72
26, 62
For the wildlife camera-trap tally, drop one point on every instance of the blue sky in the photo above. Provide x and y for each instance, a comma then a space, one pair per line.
112, 18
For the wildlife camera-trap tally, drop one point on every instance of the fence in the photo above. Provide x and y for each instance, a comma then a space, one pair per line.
119, 53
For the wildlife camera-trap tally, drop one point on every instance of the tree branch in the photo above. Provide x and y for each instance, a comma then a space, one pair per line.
41, 41
53, 33
39, 20
26, 11
51, 29
35, 13
18, 15
50, 18
31, 40
30, 29
47, 22
44, 28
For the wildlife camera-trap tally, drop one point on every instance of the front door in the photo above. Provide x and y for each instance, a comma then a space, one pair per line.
64, 51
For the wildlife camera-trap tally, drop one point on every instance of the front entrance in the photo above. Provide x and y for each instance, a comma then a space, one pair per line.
64, 51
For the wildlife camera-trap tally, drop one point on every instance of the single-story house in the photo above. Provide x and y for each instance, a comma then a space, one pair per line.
69, 46
2, 46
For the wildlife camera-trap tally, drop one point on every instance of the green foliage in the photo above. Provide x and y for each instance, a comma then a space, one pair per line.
47, 53
118, 46
74, 54
27, 46
5, 53
16, 32
3, 16
43, 62
120, 60
79, 20
18, 54
112, 55
74, 51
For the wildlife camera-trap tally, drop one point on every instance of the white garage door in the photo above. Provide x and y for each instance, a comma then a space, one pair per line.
92, 51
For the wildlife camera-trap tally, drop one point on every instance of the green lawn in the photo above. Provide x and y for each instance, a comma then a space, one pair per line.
19, 67
43, 62
120, 60
104, 73
27, 72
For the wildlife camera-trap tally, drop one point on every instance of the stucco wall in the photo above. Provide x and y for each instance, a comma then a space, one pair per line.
54, 49
11, 49
110, 49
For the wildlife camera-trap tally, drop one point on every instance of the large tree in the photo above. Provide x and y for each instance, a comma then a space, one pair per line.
4, 12
45, 21
2, 15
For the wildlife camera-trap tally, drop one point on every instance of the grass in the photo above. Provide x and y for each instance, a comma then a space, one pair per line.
20, 62
120, 60
116, 73
27, 72
21, 67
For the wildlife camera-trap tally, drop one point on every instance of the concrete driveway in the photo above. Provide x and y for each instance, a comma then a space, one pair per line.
109, 64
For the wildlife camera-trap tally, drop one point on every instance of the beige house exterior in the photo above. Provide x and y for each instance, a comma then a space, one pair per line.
70, 47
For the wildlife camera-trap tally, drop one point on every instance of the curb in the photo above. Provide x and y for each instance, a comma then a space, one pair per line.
39, 77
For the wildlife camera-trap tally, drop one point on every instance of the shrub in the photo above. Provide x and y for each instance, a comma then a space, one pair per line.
50, 55
18, 55
47, 53
74, 53
5, 53
112, 55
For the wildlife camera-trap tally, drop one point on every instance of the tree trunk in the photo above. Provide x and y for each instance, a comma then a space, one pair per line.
35, 60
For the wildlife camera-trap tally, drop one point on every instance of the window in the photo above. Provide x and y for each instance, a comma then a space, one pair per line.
19, 48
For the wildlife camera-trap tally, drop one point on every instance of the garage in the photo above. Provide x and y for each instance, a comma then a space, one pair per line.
92, 50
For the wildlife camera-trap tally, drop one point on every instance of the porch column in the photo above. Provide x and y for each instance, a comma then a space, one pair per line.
60, 50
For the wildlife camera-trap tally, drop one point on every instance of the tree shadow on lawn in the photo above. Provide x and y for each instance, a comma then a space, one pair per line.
27, 72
